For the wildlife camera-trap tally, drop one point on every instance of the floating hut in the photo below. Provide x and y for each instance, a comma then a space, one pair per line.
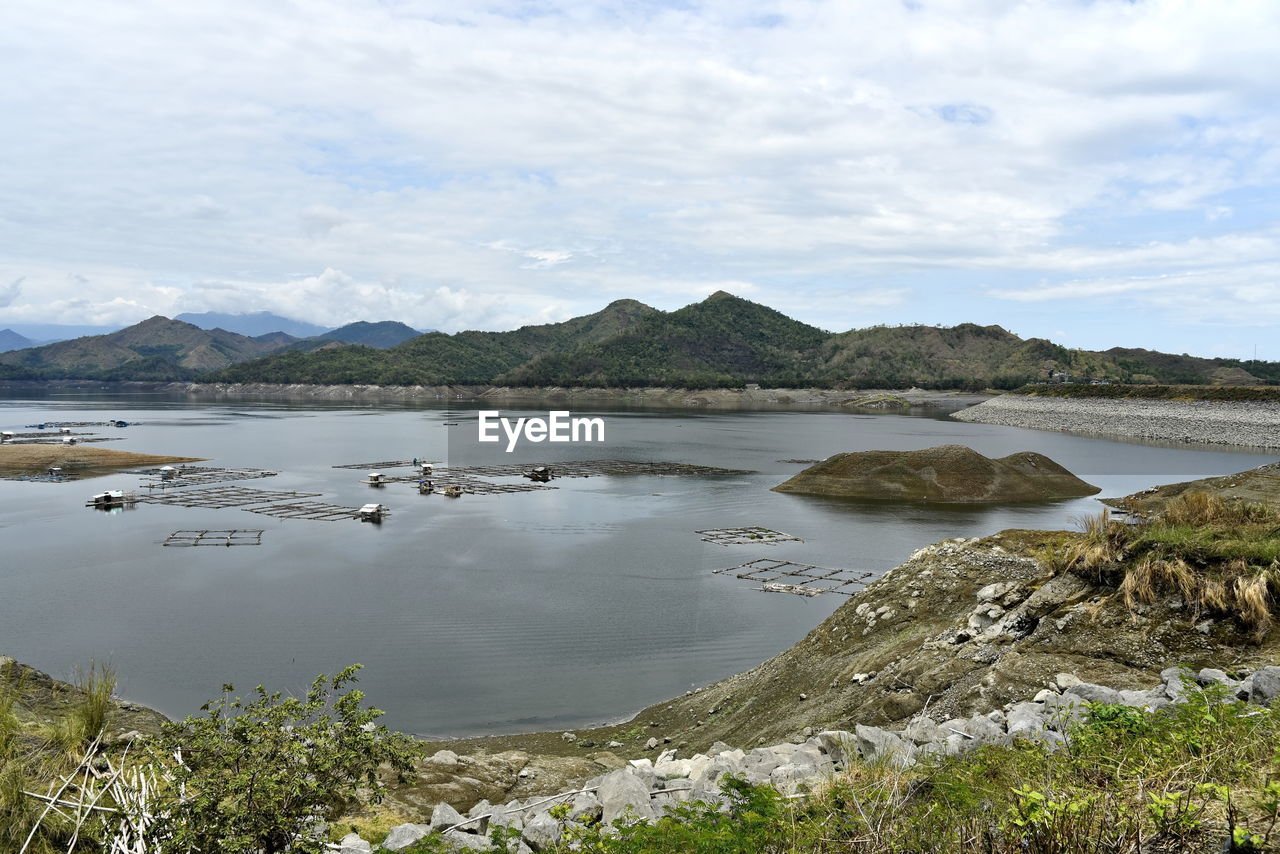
541, 474
66, 431
168, 472
6, 435
372, 513
69, 440
427, 470
55, 472
109, 499
426, 487
453, 491
376, 478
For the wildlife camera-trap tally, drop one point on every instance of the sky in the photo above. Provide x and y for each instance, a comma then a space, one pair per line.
1100, 173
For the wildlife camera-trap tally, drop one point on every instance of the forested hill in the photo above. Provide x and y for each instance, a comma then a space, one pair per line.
720, 341
728, 341
154, 350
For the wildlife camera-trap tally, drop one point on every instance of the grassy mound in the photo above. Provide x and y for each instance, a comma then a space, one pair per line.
950, 473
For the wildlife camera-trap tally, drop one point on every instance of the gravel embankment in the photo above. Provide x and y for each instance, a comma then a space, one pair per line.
1253, 424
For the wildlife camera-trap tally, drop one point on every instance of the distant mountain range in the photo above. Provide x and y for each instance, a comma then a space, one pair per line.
721, 341
252, 324
10, 340
160, 349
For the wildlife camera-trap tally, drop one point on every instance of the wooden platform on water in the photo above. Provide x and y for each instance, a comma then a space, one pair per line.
225, 537
755, 536
221, 497
201, 476
802, 579
317, 511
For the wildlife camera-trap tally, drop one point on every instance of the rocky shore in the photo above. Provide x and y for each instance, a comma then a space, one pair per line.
1245, 423
644, 789
746, 399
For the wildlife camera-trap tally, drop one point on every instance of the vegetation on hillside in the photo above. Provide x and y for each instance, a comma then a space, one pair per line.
723, 341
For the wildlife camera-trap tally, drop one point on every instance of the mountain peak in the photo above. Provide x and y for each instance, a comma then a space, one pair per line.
719, 295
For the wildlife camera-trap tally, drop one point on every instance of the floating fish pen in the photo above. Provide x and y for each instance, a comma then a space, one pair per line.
384, 464
221, 497
746, 536
58, 425
596, 468
473, 486
200, 476
315, 510
55, 439
233, 537
802, 579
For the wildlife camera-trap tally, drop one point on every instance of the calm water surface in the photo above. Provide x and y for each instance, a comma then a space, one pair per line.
556, 609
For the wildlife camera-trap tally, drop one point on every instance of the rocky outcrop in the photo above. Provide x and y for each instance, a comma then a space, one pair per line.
950, 473
39, 698
644, 789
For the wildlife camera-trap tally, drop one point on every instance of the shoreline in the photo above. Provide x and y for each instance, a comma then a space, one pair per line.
748, 399
1247, 424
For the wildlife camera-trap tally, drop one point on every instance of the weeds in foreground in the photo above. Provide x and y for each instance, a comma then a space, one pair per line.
1221, 558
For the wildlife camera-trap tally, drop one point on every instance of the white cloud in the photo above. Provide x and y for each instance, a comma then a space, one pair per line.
467, 165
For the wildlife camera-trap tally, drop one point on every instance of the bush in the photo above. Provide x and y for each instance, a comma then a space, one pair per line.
254, 775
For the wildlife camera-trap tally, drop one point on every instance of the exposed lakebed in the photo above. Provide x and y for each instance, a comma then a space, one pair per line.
551, 609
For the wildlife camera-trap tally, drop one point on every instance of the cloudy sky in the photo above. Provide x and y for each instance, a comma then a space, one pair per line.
1101, 173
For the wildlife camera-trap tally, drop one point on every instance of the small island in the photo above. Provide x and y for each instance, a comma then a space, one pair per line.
946, 474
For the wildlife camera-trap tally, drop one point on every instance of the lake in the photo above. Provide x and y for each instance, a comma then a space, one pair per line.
540, 610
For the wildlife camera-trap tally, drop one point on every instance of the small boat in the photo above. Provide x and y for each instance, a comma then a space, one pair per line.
426, 487
372, 513
540, 474
453, 491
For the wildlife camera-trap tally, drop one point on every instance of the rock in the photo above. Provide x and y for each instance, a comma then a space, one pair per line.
1265, 687
404, 835
1245, 688
1026, 719
1094, 693
790, 778
651, 744
614, 745
508, 816
839, 745
444, 817
353, 844
718, 748
585, 806
622, 795
542, 831
1210, 676
642, 769
468, 842
480, 808
997, 591
444, 758
1149, 700
568, 736
876, 744
1063, 681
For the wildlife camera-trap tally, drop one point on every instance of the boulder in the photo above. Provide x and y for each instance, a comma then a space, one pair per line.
876, 744
623, 795
839, 744
542, 831
353, 844
444, 817
1091, 693
1265, 687
585, 806
404, 835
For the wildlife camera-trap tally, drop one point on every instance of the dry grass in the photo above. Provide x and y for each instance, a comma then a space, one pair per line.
77, 460
1219, 556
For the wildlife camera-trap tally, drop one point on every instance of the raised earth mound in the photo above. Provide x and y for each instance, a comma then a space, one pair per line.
949, 473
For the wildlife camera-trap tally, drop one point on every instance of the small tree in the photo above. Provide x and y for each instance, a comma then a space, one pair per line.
252, 776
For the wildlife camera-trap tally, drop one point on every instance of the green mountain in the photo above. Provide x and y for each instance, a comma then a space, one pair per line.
155, 349
722, 341
381, 335
436, 358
